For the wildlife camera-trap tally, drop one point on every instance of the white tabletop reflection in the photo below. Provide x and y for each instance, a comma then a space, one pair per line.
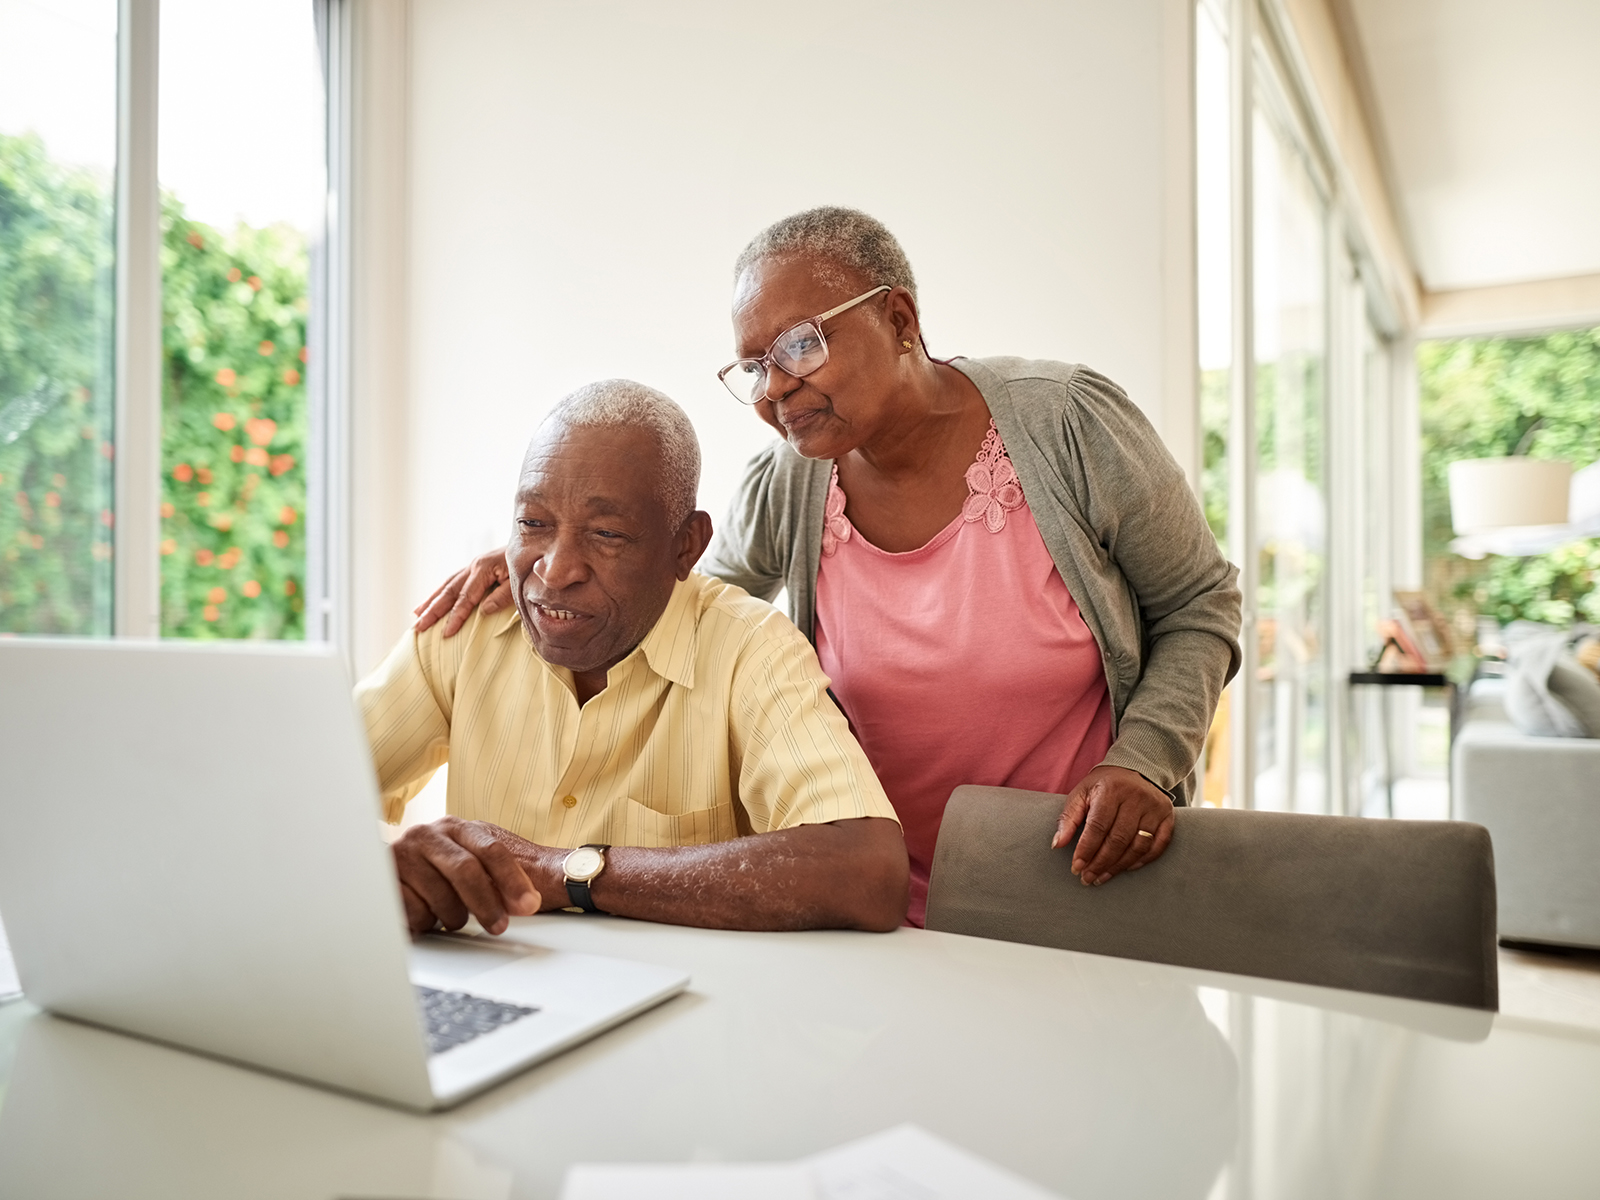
1095, 1077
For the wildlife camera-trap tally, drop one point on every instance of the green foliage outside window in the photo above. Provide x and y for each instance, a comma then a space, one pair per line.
1216, 406
233, 413
1488, 397
233, 430
56, 251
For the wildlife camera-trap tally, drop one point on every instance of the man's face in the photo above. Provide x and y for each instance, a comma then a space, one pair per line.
592, 560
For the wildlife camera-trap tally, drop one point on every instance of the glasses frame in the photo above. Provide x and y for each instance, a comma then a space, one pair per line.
765, 361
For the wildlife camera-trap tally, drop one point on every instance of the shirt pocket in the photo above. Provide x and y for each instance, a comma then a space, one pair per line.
634, 823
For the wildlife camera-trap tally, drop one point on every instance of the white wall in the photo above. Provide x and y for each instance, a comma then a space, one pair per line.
583, 174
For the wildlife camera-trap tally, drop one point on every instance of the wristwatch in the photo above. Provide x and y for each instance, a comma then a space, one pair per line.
581, 868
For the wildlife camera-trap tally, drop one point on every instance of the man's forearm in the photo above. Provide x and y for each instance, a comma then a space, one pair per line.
846, 875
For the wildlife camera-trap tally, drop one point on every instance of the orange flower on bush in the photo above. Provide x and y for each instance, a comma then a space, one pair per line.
289, 588
209, 612
265, 348
107, 451
236, 453
107, 518
59, 481
168, 546
183, 472
286, 515
223, 420
203, 499
255, 283
251, 588
195, 240
235, 275
281, 463
37, 541
255, 456
203, 474
203, 558
216, 595
281, 539
291, 376
230, 557
303, 354
261, 430
224, 522
227, 377
168, 512
52, 500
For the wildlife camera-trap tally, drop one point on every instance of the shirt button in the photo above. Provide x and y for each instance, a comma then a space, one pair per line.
570, 801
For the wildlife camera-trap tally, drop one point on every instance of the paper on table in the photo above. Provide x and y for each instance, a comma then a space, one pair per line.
688, 1181
909, 1163
904, 1163
10, 985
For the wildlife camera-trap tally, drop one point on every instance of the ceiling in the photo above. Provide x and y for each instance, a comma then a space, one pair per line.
1489, 114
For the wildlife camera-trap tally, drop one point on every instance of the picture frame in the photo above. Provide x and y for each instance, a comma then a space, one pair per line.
1429, 632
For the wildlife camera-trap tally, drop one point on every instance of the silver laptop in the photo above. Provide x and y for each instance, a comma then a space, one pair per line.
189, 852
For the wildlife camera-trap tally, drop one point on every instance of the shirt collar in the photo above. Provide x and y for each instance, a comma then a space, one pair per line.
670, 646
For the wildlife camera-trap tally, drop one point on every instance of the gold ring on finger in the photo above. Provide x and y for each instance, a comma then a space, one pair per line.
1146, 833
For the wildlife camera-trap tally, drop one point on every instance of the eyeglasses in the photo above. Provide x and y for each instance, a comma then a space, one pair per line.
797, 351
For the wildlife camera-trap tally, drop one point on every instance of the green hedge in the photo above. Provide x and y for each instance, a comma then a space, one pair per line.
233, 416
233, 436
56, 254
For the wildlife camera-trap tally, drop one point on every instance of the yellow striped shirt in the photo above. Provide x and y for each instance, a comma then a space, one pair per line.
718, 724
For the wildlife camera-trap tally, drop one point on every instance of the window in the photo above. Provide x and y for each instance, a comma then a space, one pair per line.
240, 117
58, 149
1214, 218
1290, 540
242, 206
1288, 341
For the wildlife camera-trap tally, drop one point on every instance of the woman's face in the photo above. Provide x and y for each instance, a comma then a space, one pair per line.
839, 406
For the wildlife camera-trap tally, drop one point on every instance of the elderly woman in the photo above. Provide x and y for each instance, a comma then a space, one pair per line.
1004, 573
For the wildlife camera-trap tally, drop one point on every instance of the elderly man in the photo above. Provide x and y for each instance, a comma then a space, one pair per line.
656, 744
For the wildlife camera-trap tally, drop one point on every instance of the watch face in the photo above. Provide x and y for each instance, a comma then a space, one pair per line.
584, 863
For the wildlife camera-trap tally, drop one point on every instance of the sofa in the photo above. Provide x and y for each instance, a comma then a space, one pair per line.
1539, 797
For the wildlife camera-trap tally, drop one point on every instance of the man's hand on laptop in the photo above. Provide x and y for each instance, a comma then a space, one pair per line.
451, 869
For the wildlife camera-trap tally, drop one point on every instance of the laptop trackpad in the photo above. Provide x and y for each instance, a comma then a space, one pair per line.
451, 961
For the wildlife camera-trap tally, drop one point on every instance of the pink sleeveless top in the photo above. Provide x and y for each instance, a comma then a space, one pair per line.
965, 661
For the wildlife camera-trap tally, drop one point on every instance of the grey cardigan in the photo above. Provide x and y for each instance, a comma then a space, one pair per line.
1118, 518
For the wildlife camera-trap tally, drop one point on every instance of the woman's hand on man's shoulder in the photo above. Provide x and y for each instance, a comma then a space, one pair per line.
479, 584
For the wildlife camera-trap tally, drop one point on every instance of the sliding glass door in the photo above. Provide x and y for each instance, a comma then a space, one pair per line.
1295, 418
1290, 537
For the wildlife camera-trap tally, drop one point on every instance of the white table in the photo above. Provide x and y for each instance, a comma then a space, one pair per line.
1096, 1077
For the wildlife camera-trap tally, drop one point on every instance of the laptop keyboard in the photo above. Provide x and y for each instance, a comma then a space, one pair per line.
452, 1019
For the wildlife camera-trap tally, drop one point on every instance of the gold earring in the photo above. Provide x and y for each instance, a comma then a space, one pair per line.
907, 345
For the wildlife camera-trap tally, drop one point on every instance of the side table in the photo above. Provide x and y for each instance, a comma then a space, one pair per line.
1394, 679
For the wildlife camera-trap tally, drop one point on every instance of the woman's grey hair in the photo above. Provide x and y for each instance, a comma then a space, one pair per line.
614, 402
834, 237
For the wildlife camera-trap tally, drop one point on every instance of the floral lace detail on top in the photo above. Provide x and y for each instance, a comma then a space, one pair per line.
992, 480
992, 493
835, 525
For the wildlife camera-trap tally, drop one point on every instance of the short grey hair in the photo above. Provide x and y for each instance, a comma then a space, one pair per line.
838, 237
622, 402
